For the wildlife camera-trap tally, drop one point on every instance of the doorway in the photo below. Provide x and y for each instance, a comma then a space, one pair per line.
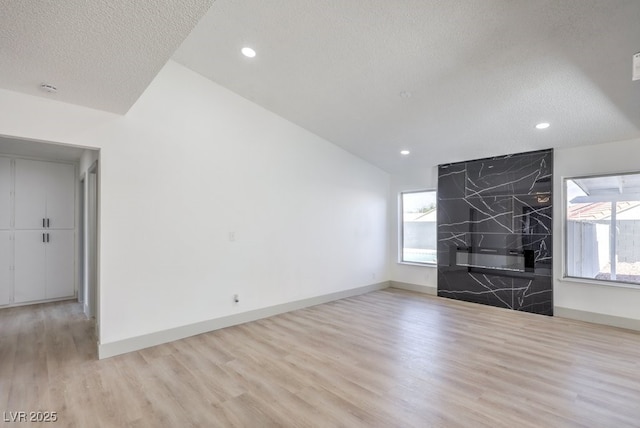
84, 228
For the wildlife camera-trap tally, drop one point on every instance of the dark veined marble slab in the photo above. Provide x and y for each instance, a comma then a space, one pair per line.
500, 204
521, 174
523, 294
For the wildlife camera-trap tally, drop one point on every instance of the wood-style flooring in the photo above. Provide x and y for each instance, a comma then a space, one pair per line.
389, 358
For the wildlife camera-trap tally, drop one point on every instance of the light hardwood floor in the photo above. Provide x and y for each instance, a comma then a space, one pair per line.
389, 358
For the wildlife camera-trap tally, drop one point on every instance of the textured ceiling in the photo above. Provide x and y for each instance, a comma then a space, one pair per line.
101, 54
481, 73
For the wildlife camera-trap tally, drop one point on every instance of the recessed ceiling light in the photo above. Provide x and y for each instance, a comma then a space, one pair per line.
248, 52
404, 152
542, 125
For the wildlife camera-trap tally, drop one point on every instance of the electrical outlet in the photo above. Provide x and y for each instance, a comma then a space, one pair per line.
236, 298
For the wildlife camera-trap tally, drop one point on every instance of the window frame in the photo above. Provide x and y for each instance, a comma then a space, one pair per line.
401, 228
565, 235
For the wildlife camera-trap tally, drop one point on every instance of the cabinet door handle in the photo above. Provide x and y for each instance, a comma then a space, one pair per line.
43, 224
43, 238
47, 237
48, 222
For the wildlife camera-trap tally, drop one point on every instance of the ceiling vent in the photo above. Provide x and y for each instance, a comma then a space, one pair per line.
48, 88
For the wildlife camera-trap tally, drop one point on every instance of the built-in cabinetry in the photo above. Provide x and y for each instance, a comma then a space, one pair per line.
44, 195
6, 264
39, 209
6, 184
6, 243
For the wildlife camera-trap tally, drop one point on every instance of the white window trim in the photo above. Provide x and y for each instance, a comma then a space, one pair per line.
564, 246
400, 243
598, 282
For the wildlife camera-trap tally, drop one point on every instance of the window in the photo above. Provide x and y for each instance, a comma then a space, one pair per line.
603, 228
418, 234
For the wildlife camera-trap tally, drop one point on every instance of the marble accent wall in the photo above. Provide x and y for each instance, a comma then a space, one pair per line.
495, 231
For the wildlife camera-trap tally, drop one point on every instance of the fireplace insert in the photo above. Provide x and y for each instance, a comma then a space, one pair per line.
494, 261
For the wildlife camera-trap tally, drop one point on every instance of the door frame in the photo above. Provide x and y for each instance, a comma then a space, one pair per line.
81, 241
90, 212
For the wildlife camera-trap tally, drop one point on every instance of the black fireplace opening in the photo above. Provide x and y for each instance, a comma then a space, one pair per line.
495, 261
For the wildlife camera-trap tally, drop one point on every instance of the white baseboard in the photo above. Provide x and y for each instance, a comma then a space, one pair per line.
596, 318
106, 350
37, 302
433, 291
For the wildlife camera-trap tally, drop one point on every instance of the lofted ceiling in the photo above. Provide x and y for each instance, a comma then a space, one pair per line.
447, 80
97, 53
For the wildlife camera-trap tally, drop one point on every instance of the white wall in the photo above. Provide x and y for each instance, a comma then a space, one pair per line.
192, 162
581, 295
422, 278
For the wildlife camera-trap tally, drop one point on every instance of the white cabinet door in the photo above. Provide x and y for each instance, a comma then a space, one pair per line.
61, 196
60, 264
5, 193
30, 194
30, 266
6, 260
44, 195
44, 242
